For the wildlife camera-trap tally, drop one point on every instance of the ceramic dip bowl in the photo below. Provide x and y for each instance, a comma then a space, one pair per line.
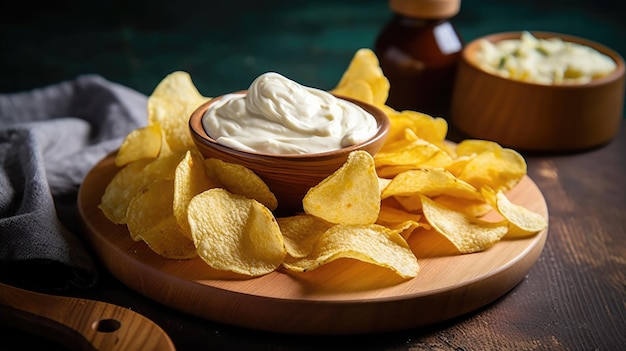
289, 176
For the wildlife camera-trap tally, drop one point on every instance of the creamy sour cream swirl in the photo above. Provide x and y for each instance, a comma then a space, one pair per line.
280, 116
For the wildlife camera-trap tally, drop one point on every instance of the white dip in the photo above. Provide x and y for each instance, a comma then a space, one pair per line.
280, 116
543, 61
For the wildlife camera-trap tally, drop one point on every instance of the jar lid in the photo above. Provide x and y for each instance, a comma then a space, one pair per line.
426, 8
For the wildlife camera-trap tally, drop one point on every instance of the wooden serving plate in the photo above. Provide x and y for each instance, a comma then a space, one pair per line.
343, 297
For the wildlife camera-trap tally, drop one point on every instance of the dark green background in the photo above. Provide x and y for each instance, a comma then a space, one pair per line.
225, 45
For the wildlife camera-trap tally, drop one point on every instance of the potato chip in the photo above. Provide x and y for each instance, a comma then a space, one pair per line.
151, 219
350, 195
410, 203
170, 105
407, 227
458, 164
409, 154
357, 89
365, 66
240, 180
431, 129
140, 143
392, 215
470, 147
430, 182
499, 169
130, 179
235, 233
301, 233
371, 243
120, 191
400, 220
382, 183
522, 221
439, 160
190, 180
472, 208
468, 234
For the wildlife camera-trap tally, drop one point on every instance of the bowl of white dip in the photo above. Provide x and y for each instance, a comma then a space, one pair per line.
539, 91
292, 136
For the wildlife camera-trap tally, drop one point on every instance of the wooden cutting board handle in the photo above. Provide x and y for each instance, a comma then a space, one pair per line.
80, 323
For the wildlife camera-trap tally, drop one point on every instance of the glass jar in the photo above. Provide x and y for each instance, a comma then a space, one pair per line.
418, 52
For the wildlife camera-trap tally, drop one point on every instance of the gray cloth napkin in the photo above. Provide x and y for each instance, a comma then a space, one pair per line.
49, 139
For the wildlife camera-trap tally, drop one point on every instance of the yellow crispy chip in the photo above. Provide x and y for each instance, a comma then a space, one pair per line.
400, 220
473, 208
431, 129
522, 221
190, 180
409, 154
240, 180
170, 105
469, 147
301, 233
120, 191
430, 182
383, 182
499, 169
370, 243
235, 233
458, 163
467, 234
141, 143
351, 195
151, 219
365, 66
410, 203
391, 214
357, 89
407, 227
439, 160
130, 179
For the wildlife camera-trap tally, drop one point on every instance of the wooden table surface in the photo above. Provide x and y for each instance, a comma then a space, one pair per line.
574, 297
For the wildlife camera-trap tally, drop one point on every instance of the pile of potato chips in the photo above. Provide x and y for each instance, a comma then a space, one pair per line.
185, 206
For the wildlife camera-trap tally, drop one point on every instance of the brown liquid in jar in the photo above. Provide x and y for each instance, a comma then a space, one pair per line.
419, 57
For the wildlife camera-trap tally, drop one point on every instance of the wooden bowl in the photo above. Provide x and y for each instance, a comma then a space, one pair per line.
289, 177
535, 117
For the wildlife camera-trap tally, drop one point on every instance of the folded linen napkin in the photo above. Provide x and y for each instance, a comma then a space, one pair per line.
49, 139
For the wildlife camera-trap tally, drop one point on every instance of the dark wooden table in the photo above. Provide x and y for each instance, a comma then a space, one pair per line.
574, 297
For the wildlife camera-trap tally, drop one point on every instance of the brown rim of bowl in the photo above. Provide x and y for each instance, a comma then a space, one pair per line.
472, 47
382, 121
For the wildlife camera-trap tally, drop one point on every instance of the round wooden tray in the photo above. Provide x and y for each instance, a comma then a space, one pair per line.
343, 297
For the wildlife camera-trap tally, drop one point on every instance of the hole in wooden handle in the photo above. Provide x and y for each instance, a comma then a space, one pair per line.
108, 325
